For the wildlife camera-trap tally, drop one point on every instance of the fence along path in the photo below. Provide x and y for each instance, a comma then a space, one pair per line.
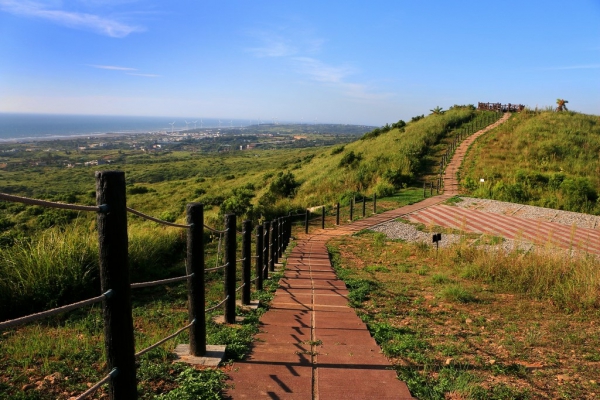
116, 288
312, 345
450, 179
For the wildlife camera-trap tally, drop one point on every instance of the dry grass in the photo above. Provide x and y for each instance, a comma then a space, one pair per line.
473, 324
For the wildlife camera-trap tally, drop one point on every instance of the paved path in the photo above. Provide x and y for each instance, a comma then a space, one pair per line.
451, 185
541, 233
312, 345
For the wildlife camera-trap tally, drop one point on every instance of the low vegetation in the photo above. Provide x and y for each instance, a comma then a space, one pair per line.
470, 323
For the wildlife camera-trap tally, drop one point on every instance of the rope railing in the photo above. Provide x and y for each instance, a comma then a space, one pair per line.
160, 282
147, 349
216, 268
44, 203
54, 311
214, 230
160, 221
217, 306
97, 386
113, 249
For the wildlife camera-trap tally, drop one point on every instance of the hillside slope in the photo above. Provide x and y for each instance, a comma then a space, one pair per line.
547, 159
380, 162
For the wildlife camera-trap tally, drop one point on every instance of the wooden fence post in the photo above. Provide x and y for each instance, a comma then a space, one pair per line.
272, 248
114, 275
280, 228
351, 209
266, 251
337, 213
230, 267
275, 233
364, 206
246, 261
195, 284
374, 203
259, 258
323, 217
306, 216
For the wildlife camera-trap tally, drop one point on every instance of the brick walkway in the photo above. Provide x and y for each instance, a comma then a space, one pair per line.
451, 185
312, 345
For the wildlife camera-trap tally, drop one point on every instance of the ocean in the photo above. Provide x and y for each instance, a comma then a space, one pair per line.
25, 127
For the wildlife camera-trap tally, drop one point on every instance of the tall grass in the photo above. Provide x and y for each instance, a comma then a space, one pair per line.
60, 265
48, 270
570, 282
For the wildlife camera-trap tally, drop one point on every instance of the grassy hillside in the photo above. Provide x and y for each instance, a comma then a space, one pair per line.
549, 159
381, 162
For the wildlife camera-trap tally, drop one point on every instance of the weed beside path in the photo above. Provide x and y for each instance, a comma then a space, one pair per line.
454, 335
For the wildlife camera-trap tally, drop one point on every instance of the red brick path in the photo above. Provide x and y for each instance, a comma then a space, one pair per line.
312, 345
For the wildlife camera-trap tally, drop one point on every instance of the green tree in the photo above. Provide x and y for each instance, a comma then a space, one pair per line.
437, 111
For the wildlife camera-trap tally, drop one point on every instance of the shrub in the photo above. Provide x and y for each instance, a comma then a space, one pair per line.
337, 150
350, 159
384, 189
284, 185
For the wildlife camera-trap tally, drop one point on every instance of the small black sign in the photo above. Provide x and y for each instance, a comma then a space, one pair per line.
437, 237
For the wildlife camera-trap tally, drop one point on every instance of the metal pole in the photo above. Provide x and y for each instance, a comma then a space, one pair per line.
114, 275
195, 284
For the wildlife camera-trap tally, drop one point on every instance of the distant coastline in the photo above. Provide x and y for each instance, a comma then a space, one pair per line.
19, 128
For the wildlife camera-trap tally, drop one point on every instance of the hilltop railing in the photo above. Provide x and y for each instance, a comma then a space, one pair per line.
500, 107
116, 287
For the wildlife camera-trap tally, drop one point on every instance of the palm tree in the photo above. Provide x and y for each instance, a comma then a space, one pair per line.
437, 110
561, 105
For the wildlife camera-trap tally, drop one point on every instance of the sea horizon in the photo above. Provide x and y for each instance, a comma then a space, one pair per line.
22, 127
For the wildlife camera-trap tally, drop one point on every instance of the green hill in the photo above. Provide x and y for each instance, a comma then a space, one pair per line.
549, 159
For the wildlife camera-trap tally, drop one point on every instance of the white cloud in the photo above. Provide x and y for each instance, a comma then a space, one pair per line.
145, 75
320, 71
113, 67
77, 20
273, 46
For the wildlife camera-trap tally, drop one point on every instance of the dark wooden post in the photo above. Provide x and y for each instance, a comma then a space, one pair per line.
259, 258
230, 261
374, 203
424, 193
280, 244
195, 284
337, 213
114, 275
272, 247
306, 216
431, 189
351, 209
275, 233
364, 205
246, 261
266, 251
323, 217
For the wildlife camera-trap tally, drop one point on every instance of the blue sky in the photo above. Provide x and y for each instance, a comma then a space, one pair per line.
357, 62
